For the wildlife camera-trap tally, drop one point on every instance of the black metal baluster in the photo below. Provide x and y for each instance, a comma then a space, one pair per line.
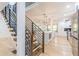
9, 17
5, 12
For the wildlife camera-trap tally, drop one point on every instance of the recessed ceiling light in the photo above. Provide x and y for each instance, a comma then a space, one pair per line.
67, 6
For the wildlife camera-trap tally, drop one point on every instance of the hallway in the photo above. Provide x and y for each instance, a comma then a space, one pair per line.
55, 17
6, 43
58, 47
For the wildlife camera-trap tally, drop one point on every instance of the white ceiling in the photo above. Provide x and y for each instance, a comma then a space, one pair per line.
54, 11
2, 5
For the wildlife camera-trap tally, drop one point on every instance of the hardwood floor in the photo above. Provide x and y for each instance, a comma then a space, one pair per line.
7, 46
58, 47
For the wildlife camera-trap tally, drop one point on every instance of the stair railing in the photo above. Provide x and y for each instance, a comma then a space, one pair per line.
10, 17
36, 33
13, 20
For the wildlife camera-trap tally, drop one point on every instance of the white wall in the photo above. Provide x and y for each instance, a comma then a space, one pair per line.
61, 26
4, 31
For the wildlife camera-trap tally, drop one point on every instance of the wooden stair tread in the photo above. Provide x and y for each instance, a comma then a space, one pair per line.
37, 52
14, 37
34, 39
14, 51
39, 46
35, 42
13, 32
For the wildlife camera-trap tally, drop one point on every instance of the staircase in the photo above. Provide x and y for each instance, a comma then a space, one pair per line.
2, 5
10, 19
34, 42
34, 39
37, 47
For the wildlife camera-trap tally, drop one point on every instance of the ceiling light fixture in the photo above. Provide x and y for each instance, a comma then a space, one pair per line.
67, 6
